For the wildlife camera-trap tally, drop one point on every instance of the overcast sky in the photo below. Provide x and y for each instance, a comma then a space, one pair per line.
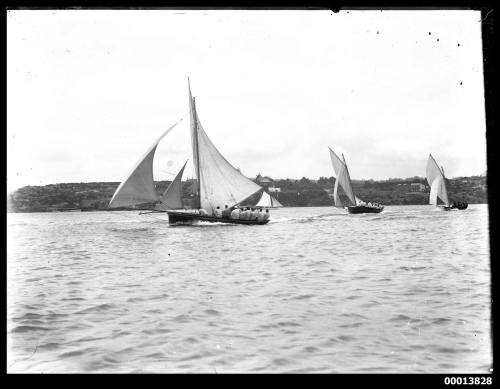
89, 91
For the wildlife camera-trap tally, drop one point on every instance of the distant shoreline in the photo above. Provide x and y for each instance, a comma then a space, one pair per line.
272, 210
304, 192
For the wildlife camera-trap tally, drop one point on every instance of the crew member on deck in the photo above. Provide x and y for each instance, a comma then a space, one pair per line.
226, 213
266, 215
218, 212
235, 214
253, 214
245, 214
260, 215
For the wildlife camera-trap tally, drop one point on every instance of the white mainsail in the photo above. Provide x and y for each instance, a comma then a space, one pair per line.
138, 187
268, 201
220, 184
342, 179
172, 197
436, 180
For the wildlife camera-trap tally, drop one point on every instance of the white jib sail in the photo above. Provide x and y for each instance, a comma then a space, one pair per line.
436, 180
172, 197
138, 187
220, 183
268, 201
343, 178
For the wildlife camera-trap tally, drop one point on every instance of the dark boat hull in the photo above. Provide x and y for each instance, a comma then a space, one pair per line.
364, 209
190, 218
460, 207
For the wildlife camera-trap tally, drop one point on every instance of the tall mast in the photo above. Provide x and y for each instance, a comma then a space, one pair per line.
196, 154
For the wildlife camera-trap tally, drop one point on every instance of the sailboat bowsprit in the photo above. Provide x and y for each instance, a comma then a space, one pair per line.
344, 180
218, 183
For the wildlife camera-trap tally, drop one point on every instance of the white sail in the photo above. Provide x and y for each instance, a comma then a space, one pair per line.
172, 197
275, 203
343, 178
336, 197
220, 184
268, 201
436, 180
138, 187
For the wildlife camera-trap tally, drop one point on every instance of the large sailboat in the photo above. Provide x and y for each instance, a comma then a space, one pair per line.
437, 182
344, 180
217, 183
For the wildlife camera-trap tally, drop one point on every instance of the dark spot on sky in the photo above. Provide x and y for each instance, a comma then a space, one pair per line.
460, 83
377, 32
429, 33
437, 39
458, 45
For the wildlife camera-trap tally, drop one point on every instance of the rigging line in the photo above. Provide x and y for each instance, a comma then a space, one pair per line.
128, 217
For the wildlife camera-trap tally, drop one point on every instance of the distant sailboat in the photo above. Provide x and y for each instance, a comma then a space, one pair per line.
268, 201
344, 180
218, 183
437, 182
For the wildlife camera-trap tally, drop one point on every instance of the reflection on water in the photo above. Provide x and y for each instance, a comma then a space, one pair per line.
315, 290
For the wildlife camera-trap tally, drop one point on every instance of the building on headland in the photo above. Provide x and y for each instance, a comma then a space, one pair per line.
264, 181
329, 191
417, 187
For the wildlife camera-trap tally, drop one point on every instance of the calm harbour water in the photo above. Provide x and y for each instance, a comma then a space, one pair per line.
315, 290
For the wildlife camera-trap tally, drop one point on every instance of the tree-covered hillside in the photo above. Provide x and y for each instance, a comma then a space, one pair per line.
292, 192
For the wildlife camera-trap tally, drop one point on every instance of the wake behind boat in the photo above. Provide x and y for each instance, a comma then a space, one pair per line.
344, 180
437, 182
217, 184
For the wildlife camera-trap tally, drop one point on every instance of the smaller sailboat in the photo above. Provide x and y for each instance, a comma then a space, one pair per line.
268, 201
437, 182
344, 180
